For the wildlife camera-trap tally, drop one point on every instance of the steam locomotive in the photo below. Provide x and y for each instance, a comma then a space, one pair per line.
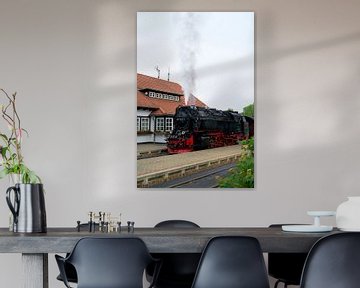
197, 128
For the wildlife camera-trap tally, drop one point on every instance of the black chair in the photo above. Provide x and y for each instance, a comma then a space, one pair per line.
232, 262
69, 269
176, 224
333, 262
178, 269
108, 263
286, 267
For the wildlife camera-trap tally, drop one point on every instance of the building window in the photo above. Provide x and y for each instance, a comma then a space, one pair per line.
168, 124
158, 95
138, 123
143, 123
159, 124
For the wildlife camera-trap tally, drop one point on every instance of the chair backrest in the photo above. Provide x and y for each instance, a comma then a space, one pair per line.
333, 262
178, 269
232, 262
176, 224
110, 262
286, 267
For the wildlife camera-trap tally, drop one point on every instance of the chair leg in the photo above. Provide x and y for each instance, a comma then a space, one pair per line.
279, 281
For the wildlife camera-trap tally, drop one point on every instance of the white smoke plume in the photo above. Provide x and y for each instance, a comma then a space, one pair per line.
189, 43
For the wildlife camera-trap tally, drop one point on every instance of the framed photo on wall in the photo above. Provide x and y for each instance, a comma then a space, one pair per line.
195, 100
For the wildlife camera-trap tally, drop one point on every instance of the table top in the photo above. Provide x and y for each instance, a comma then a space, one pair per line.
158, 240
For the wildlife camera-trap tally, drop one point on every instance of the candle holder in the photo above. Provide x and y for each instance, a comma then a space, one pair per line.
315, 227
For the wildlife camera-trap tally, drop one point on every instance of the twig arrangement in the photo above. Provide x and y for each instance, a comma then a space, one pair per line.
12, 159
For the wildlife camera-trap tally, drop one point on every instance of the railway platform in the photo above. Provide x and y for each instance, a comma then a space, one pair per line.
159, 169
150, 149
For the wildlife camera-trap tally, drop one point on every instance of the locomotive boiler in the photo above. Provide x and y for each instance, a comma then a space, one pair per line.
197, 128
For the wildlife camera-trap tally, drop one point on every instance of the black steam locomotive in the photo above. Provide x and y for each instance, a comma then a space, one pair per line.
198, 128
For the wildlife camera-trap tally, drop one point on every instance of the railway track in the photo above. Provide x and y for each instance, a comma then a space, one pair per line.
204, 179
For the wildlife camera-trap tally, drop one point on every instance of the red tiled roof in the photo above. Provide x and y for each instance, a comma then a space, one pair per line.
145, 102
147, 82
196, 102
161, 106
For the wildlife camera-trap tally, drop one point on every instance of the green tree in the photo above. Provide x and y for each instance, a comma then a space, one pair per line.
249, 110
243, 174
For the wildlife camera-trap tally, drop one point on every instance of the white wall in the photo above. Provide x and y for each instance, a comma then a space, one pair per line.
73, 66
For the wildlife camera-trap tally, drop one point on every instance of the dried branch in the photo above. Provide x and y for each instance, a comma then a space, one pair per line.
10, 153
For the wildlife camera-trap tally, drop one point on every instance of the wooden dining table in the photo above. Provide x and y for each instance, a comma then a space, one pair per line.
35, 247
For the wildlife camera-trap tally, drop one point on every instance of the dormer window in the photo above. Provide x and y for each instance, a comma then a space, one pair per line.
160, 95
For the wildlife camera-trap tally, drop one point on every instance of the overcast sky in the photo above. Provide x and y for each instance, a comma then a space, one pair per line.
211, 54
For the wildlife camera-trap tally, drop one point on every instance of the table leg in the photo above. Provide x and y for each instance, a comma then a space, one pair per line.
35, 270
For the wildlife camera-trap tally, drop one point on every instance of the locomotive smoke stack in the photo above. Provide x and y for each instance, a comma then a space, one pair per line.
189, 44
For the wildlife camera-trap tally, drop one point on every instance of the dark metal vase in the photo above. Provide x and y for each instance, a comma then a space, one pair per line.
27, 204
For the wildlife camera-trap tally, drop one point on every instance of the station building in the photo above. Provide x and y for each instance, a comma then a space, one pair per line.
157, 100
